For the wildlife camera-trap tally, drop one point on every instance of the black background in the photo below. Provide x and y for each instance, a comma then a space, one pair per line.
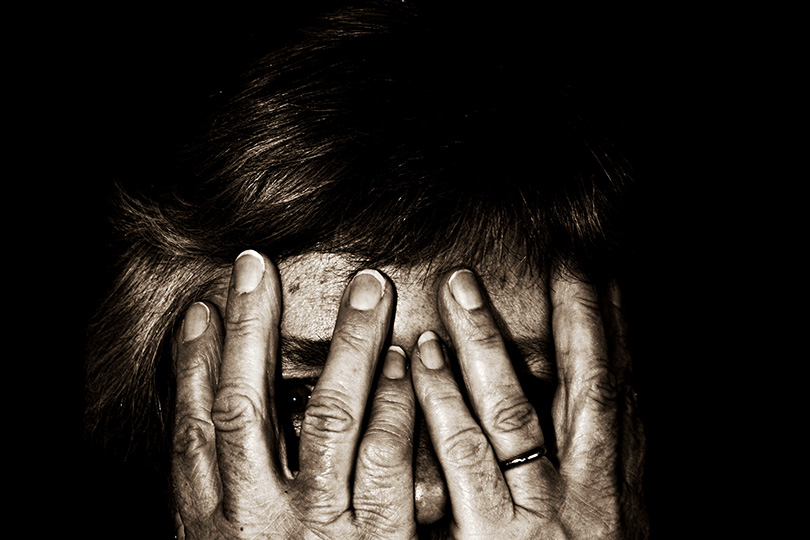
109, 98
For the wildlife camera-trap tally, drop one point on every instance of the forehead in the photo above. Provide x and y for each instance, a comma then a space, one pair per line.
313, 284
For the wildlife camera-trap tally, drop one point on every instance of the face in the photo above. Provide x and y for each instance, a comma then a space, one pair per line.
312, 287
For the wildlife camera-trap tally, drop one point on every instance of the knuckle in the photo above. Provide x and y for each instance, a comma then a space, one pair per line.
386, 443
315, 496
484, 336
370, 511
467, 448
601, 387
191, 436
516, 416
353, 338
394, 404
244, 325
390, 438
236, 409
380, 452
189, 365
587, 299
589, 304
438, 396
328, 412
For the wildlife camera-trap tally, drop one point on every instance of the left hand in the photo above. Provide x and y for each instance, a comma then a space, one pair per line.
595, 492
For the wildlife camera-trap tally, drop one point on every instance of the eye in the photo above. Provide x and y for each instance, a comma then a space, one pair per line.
298, 394
292, 402
293, 398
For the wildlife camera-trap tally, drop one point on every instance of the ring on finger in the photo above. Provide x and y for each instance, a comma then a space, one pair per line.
522, 459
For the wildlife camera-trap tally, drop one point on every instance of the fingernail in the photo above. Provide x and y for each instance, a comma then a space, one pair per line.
394, 366
248, 271
366, 289
464, 289
196, 321
430, 350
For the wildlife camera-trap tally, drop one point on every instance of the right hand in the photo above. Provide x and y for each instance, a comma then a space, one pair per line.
230, 476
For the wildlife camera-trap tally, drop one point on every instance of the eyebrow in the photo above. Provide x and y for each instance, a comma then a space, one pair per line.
535, 356
305, 353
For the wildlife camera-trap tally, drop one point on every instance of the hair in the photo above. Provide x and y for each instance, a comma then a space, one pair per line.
391, 132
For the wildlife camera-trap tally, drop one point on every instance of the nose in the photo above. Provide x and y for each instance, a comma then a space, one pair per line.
430, 490
416, 312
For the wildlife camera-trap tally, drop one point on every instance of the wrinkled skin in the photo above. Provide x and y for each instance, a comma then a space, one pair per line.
356, 477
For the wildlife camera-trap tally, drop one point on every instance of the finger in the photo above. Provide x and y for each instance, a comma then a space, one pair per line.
242, 408
504, 412
475, 483
617, 333
332, 421
632, 430
497, 398
383, 484
195, 475
586, 400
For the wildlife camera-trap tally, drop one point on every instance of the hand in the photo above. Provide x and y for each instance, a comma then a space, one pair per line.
595, 491
229, 471
230, 474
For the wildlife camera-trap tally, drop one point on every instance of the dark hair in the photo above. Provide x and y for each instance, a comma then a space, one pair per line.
390, 132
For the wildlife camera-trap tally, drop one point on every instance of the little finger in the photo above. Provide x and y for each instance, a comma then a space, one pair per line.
586, 405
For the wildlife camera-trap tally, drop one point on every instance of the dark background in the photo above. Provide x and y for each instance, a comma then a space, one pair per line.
109, 100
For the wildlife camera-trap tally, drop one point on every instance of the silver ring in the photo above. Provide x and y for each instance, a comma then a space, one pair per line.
525, 457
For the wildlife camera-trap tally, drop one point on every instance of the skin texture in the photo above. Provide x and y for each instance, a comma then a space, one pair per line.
450, 363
